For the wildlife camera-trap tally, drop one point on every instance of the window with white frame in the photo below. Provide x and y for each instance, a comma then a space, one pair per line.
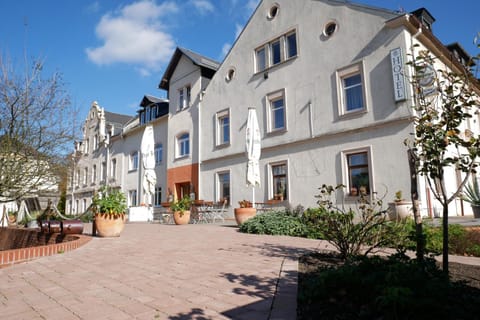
188, 93
95, 142
158, 153
276, 108
223, 127
261, 59
279, 180
94, 173
351, 89
87, 146
276, 51
78, 177
113, 169
183, 145
133, 161
223, 186
104, 171
358, 171
184, 97
291, 45
158, 196
85, 175
132, 198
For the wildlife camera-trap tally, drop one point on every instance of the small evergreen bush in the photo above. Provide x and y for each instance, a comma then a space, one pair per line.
275, 223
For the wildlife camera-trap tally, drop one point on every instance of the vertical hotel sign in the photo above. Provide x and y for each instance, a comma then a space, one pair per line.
396, 58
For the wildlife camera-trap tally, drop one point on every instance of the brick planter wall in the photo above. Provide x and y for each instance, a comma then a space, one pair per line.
20, 245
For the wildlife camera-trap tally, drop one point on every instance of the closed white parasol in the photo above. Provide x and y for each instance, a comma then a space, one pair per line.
253, 149
148, 160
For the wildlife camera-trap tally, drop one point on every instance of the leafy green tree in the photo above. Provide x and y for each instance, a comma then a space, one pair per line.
445, 98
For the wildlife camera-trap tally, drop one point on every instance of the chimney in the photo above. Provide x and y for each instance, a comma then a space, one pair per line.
424, 17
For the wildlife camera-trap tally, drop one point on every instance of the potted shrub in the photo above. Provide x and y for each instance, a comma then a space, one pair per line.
245, 212
399, 209
181, 210
110, 206
472, 196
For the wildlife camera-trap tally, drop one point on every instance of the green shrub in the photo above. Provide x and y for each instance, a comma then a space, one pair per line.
385, 288
274, 223
355, 232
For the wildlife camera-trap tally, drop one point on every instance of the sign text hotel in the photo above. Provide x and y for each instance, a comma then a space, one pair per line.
396, 59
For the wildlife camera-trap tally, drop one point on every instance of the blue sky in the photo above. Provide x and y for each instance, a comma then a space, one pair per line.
115, 51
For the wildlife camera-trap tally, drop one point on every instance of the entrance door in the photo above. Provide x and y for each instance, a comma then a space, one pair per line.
183, 189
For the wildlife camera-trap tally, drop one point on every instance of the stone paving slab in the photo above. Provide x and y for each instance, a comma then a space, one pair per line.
155, 271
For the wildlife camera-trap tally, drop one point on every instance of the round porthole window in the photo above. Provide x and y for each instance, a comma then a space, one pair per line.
273, 12
330, 29
230, 74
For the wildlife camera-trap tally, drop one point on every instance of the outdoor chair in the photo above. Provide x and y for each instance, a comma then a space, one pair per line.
219, 211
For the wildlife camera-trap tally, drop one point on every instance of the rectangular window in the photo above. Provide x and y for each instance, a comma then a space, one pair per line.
351, 84
133, 163
223, 186
188, 90
358, 173
279, 180
85, 176
158, 196
180, 99
158, 154
183, 145
132, 198
87, 146
223, 127
94, 173
104, 171
78, 177
275, 52
291, 45
261, 59
95, 142
276, 111
113, 169
352, 87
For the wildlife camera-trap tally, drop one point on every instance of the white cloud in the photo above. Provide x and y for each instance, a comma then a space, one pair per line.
226, 47
252, 5
93, 7
238, 30
134, 34
203, 6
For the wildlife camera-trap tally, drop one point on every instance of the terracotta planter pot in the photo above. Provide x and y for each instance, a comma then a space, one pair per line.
180, 218
243, 214
400, 210
109, 225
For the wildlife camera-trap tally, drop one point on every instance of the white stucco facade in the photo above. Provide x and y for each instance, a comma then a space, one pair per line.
330, 85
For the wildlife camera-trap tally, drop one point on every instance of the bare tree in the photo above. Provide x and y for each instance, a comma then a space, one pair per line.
36, 129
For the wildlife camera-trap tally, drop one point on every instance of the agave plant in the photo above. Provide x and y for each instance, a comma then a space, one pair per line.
472, 193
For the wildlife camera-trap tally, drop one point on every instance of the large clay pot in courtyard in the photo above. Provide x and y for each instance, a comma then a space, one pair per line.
181, 217
243, 214
109, 225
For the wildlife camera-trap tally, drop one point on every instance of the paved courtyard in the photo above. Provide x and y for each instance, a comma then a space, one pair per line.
155, 271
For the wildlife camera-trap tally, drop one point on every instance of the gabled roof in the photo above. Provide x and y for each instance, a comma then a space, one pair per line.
118, 118
208, 66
